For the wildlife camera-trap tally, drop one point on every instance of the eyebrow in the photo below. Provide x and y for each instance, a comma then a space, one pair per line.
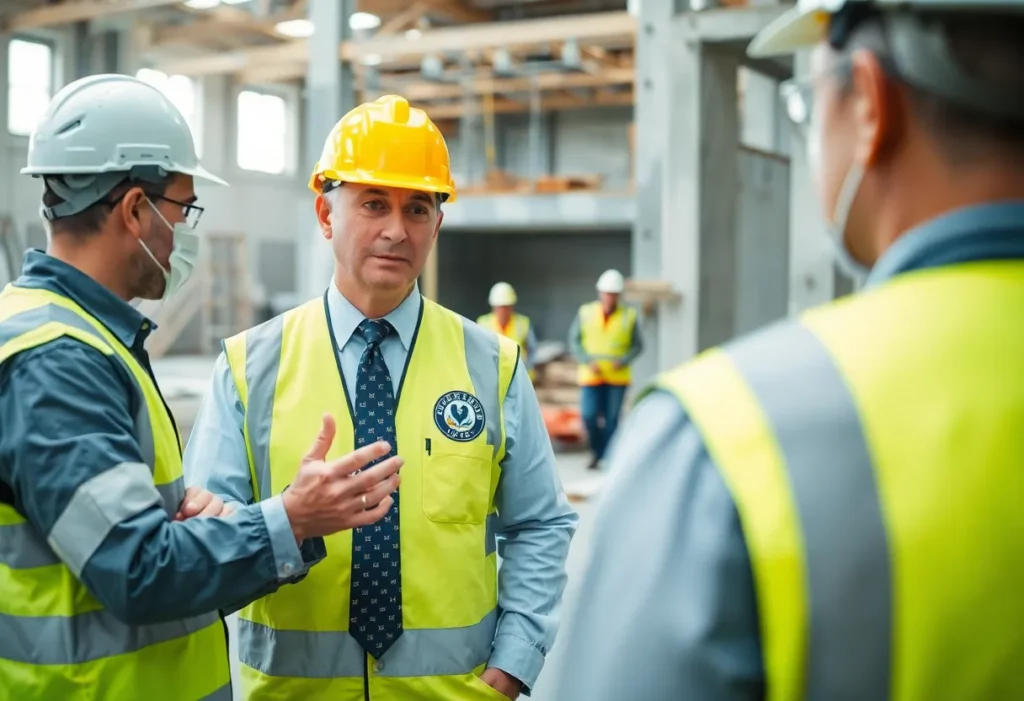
419, 196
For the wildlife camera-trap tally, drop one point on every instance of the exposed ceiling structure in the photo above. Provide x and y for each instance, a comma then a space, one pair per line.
442, 54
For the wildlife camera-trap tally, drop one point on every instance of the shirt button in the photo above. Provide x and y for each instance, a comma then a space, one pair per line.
378, 667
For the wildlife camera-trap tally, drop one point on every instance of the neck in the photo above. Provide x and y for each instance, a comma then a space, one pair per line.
372, 304
91, 261
941, 197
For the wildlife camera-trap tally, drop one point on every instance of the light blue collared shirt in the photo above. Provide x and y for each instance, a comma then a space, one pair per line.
535, 522
669, 609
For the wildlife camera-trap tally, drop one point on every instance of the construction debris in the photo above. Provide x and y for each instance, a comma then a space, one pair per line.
559, 394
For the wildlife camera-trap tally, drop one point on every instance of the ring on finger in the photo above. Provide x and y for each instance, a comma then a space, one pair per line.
364, 501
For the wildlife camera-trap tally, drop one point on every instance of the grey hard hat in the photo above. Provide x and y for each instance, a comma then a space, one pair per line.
101, 130
920, 49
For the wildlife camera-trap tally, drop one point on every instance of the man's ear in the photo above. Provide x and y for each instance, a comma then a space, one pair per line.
130, 210
323, 216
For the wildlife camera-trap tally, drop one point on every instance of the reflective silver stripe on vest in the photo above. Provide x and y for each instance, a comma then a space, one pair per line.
221, 694
323, 655
832, 479
482, 358
96, 507
26, 321
46, 640
21, 548
172, 494
262, 365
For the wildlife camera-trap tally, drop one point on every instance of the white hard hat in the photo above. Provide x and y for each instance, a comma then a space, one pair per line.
920, 48
102, 129
611, 281
502, 295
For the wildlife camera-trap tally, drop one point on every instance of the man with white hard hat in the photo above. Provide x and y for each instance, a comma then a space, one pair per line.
830, 508
503, 319
605, 340
109, 587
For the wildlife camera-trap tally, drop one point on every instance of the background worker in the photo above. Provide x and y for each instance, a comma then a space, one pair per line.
832, 506
102, 593
418, 612
605, 340
504, 320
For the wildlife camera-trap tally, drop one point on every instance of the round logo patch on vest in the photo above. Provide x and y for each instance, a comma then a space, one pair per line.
460, 416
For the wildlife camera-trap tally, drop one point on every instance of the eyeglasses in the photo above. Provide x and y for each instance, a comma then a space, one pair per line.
797, 94
191, 213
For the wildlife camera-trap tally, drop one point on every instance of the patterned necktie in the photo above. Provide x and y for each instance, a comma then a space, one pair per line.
375, 615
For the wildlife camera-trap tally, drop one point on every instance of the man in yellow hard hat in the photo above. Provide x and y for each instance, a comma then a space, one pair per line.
504, 319
833, 507
605, 340
420, 611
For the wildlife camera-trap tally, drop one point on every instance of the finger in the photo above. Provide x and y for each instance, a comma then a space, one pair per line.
376, 494
228, 510
358, 459
367, 479
199, 500
365, 518
214, 508
324, 439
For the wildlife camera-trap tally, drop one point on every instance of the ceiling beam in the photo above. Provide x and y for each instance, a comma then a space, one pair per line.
548, 104
613, 28
218, 21
77, 11
544, 81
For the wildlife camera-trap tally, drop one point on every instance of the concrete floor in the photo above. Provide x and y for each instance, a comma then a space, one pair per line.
184, 380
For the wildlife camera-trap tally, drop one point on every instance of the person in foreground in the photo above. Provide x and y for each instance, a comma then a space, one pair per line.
413, 607
109, 585
831, 507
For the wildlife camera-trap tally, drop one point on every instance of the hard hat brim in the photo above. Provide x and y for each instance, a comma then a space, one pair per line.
431, 185
198, 172
792, 31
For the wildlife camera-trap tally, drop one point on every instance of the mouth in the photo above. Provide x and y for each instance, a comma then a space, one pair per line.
391, 258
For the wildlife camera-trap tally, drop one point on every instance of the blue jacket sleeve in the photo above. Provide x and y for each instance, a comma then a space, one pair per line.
77, 473
534, 526
667, 609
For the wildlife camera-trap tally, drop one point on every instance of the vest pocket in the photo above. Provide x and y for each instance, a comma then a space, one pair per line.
457, 485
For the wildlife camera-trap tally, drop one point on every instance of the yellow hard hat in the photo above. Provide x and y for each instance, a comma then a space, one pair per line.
386, 142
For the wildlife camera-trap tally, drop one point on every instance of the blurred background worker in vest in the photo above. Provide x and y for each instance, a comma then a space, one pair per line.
605, 340
831, 508
109, 586
503, 319
421, 611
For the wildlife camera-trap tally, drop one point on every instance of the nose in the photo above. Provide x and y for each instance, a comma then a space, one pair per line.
394, 227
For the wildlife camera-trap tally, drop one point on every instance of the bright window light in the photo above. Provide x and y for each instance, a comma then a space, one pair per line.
182, 92
202, 4
363, 21
413, 34
29, 84
295, 28
262, 132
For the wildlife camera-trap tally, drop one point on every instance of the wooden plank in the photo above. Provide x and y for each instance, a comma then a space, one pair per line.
613, 28
78, 11
548, 104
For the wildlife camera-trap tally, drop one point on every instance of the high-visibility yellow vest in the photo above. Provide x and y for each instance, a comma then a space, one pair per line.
606, 341
56, 640
294, 643
875, 455
518, 330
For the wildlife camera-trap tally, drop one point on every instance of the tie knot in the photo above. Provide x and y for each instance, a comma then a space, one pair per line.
373, 331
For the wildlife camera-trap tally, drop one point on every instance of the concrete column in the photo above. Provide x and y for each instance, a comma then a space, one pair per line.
701, 193
653, 121
329, 94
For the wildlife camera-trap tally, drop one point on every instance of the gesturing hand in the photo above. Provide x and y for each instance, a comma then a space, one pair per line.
328, 496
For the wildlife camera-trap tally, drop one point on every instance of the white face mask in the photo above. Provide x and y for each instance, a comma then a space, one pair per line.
184, 253
836, 223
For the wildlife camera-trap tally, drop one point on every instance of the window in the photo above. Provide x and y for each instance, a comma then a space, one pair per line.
181, 91
29, 86
262, 132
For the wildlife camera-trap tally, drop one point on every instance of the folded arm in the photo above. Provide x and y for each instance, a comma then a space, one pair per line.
69, 454
535, 525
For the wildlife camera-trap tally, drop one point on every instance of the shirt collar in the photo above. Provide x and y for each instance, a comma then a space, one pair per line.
42, 271
345, 317
981, 232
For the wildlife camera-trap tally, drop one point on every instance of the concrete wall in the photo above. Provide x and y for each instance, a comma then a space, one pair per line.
553, 273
